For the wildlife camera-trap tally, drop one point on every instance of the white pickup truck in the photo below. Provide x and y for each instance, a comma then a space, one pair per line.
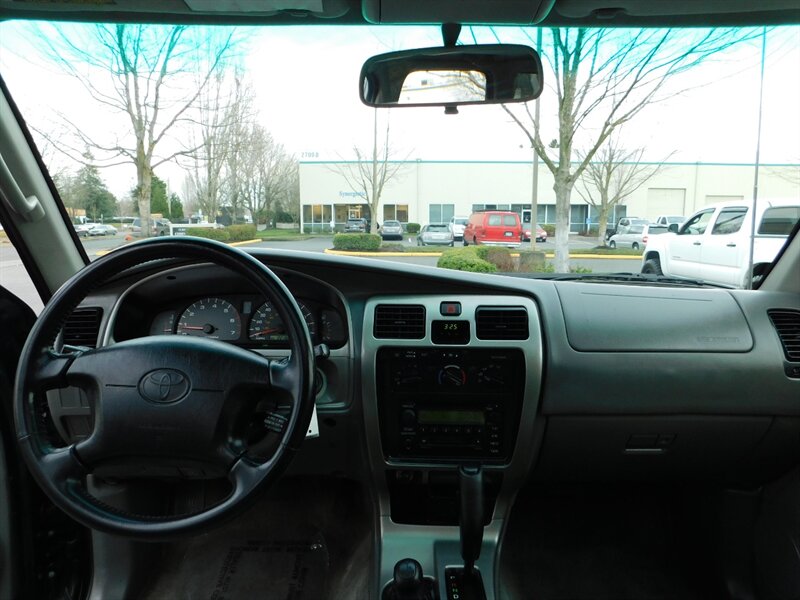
714, 243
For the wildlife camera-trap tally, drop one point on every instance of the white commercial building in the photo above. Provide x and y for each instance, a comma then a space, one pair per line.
433, 191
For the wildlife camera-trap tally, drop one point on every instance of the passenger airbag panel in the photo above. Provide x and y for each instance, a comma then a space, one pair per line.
604, 318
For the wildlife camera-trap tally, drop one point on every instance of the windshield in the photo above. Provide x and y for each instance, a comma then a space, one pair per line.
257, 136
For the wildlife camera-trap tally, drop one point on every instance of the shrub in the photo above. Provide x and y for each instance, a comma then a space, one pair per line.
392, 248
499, 257
221, 235
412, 228
481, 252
533, 262
365, 242
241, 233
464, 259
549, 229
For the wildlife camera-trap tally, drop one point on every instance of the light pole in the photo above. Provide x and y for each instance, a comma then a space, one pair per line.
535, 174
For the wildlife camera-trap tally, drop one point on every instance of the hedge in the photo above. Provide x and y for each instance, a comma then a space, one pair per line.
369, 242
549, 229
499, 257
465, 259
221, 235
241, 233
412, 228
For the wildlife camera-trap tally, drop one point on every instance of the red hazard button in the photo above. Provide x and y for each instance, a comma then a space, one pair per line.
450, 309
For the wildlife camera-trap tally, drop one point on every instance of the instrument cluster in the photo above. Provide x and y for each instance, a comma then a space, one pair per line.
247, 320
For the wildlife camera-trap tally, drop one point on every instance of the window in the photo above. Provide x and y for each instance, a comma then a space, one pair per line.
509, 220
697, 225
729, 221
779, 220
440, 213
395, 212
341, 213
495, 220
477, 207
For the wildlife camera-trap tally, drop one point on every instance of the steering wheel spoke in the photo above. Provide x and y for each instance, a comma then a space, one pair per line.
62, 466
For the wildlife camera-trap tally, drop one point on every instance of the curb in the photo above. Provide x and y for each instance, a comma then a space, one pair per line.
435, 254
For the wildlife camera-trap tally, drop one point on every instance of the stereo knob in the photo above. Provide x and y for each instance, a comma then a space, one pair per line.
452, 375
408, 418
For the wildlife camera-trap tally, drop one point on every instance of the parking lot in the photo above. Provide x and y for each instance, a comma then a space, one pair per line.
14, 278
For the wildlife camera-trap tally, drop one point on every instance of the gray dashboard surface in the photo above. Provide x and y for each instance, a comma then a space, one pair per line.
652, 319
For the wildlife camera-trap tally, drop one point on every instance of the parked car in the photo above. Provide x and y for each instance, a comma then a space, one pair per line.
668, 220
457, 225
636, 236
356, 226
494, 227
541, 234
714, 244
101, 229
392, 230
435, 234
82, 229
157, 226
623, 224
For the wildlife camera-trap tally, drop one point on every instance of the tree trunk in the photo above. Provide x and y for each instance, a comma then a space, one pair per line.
144, 176
563, 190
373, 217
602, 224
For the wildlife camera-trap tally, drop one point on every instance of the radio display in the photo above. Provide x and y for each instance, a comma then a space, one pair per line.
450, 417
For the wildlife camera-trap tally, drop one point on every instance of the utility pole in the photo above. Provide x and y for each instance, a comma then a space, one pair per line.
749, 279
535, 174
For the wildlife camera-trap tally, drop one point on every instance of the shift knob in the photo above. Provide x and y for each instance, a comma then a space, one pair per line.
407, 575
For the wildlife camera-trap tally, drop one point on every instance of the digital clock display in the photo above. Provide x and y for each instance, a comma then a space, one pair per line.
450, 332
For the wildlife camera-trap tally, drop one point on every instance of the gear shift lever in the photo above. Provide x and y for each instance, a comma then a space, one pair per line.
470, 481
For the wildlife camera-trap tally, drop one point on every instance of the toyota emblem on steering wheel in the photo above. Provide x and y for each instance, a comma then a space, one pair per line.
164, 386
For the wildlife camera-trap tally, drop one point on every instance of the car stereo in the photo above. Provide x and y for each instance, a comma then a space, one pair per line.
449, 403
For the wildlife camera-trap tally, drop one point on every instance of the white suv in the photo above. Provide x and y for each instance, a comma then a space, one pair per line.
457, 225
714, 243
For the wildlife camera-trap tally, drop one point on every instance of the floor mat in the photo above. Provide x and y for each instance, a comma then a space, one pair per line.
582, 543
236, 567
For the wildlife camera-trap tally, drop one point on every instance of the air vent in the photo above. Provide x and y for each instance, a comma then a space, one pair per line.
399, 321
82, 327
787, 324
501, 323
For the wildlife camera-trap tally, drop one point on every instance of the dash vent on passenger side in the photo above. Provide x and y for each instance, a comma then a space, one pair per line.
82, 327
787, 324
501, 323
399, 321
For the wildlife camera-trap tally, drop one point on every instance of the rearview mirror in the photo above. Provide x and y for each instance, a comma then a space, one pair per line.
452, 76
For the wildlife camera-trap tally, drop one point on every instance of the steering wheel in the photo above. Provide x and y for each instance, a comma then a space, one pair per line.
186, 402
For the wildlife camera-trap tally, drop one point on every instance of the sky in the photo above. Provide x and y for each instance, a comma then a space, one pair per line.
305, 82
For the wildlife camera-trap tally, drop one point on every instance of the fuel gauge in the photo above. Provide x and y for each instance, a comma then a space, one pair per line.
164, 323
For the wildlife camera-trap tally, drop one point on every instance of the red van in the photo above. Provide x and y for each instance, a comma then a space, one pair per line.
493, 227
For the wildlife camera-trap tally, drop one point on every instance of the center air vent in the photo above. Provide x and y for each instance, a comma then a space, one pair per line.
399, 321
82, 327
787, 324
501, 323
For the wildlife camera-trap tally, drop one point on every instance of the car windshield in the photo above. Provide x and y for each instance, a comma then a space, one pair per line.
197, 135
438, 227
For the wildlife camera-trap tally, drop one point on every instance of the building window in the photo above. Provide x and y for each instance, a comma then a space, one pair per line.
440, 213
341, 213
395, 212
477, 207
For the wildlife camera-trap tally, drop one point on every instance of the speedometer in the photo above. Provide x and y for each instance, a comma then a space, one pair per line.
266, 324
212, 318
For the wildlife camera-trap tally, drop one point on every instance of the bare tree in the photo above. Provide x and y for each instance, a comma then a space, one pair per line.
603, 79
147, 65
371, 171
612, 177
265, 173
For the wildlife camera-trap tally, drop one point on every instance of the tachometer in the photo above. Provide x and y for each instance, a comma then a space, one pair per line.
211, 317
266, 325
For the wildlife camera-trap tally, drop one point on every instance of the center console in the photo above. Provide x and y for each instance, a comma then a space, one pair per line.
450, 393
